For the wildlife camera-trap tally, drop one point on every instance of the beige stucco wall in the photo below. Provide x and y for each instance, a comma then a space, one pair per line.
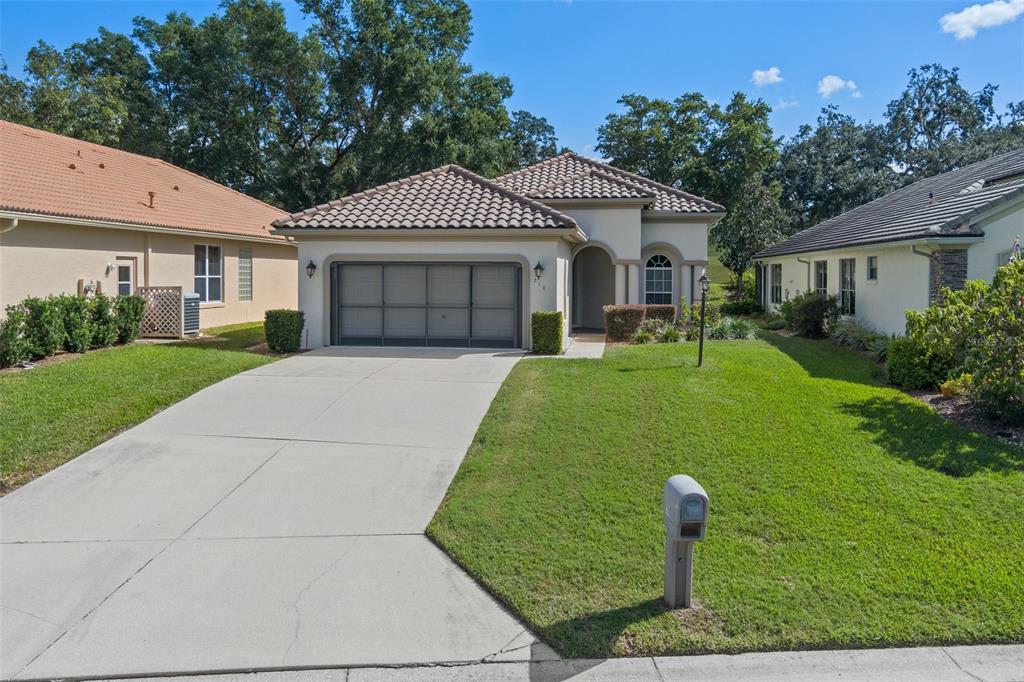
547, 293
38, 259
902, 282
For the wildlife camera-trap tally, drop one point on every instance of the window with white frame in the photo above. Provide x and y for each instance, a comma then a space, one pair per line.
847, 286
245, 274
208, 269
776, 281
872, 268
821, 277
125, 277
658, 280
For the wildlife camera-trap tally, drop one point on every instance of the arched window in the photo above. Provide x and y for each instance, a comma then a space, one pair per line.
658, 280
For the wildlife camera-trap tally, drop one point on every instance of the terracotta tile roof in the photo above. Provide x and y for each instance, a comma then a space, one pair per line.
535, 180
446, 197
939, 206
593, 184
51, 174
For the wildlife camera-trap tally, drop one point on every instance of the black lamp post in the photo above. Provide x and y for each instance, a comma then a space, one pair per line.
704, 284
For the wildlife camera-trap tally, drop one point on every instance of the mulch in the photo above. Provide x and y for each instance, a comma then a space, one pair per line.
960, 410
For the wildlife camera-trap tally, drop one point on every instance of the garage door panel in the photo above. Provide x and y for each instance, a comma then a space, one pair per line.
405, 322
448, 323
405, 285
362, 285
448, 285
493, 324
361, 322
494, 285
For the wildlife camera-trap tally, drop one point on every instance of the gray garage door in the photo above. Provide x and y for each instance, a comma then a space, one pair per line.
426, 304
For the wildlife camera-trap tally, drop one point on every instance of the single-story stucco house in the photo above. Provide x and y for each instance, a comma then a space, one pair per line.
896, 253
77, 216
447, 257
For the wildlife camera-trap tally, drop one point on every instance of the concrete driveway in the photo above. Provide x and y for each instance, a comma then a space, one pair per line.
272, 521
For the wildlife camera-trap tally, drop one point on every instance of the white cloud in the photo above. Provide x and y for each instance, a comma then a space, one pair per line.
831, 84
784, 103
966, 22
770, 75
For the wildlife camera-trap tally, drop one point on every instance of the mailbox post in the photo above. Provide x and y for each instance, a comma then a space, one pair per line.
686, 519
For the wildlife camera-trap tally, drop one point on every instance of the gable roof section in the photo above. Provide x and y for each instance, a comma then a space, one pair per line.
939, 206
569, 170
48, 174
593, 184
448, 197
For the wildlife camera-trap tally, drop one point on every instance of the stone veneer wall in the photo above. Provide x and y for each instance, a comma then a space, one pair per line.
948, 269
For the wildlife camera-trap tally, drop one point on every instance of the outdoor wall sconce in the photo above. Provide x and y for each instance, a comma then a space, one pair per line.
538, 270
311, 269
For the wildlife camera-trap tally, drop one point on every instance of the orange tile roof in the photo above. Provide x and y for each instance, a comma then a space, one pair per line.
51, 174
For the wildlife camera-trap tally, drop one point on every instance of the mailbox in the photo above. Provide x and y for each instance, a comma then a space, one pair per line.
686, 508
685, 513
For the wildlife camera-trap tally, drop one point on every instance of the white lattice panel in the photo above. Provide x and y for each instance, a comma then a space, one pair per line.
164, 314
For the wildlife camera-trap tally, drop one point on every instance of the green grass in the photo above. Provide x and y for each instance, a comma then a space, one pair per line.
843, 513
57, 411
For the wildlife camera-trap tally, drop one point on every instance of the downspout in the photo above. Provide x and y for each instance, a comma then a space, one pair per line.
808, 264
12, 223
146, 249
928, 280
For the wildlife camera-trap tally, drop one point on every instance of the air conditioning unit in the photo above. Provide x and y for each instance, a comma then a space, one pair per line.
191, 318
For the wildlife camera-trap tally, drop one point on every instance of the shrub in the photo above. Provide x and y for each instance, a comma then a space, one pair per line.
283, 329
744, 306
128, 311
77, 315
775, 324
44, 326
812, 314
692, 313
961, 385
14, 347
996, 357
104, 322
670, 334
547, 332
948, 329
910, 365
621, 322
661, 311
643, 336
729, 328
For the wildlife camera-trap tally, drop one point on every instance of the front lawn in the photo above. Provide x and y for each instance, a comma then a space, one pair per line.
59, 410
843, 513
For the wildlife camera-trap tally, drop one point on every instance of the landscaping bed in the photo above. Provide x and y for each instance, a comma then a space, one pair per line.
843, 513
57, 411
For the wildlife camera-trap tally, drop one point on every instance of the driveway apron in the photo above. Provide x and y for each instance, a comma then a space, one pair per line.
272, 521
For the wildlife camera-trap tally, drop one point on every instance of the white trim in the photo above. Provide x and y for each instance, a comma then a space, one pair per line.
86, 222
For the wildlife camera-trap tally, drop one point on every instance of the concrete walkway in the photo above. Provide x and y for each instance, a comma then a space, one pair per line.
588, 345
274, 520
929, 664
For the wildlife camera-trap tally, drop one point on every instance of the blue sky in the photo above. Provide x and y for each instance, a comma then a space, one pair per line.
571, 61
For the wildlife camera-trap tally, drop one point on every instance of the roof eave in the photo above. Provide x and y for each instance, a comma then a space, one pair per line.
687, 217
596, 201
139, 227
909, 240
573, 233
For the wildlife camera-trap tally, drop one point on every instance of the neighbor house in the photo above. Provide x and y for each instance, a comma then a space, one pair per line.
447, 257
78, 217
897, 253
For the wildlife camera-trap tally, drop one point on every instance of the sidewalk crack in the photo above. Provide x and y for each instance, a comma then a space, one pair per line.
957, 664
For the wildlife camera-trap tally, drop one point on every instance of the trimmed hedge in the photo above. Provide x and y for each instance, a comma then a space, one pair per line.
621, 322
744, 306
546, 326
283, 329
38, 327
812, 315
911, 365
660, 311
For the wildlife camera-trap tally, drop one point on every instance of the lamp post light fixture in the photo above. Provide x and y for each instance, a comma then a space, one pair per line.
311, 269
538, 270
705, 283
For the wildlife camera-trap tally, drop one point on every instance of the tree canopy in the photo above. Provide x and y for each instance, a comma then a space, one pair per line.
376, 89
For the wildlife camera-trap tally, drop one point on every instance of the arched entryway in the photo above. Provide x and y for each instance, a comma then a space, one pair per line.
593, 287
